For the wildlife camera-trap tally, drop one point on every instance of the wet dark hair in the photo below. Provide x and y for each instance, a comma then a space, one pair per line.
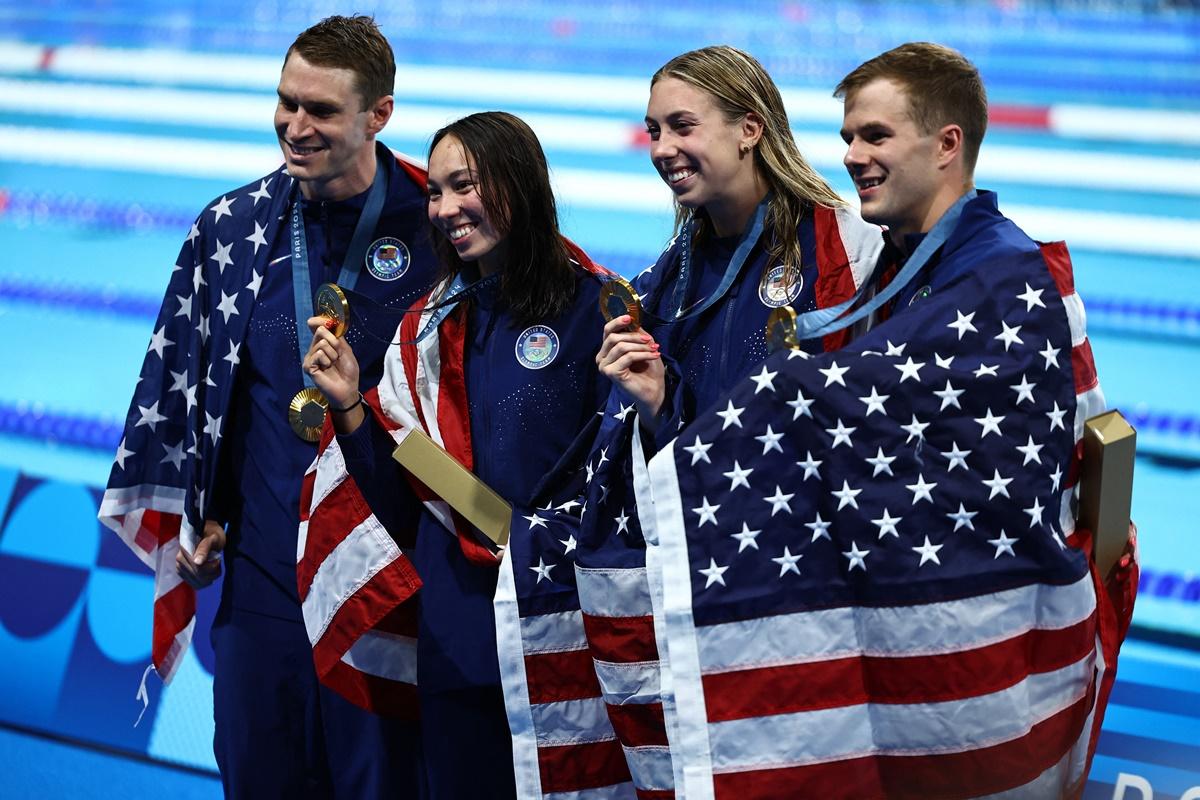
353, 43
537, 280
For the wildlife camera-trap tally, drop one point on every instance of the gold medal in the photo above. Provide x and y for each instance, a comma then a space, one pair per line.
306, 413
617, 297
331, 303
781, 330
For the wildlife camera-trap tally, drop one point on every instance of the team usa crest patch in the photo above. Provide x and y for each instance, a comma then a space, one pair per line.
536, 347
388, 258
780, 286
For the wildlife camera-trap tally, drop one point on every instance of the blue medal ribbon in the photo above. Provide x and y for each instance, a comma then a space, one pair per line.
458, 291
745, 245
351, 265
823, 321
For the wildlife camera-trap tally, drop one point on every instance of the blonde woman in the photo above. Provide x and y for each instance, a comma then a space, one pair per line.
756, 228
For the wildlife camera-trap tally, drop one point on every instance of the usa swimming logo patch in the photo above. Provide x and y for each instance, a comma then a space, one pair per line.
780, 286
536, 347
388, 258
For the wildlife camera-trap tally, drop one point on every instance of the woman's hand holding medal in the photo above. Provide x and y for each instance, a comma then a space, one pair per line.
334, 369
630, 358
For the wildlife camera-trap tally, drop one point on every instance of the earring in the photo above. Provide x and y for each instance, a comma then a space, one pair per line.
745, 149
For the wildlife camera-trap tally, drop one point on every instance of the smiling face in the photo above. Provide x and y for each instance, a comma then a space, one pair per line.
706, 160
456, 208
328, 140
901, 173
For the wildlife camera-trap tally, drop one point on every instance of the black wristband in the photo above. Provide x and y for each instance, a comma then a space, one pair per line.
348, 408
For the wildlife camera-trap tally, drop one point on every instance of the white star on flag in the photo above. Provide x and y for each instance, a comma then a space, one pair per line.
731, 416
764, 380
787, 562
1050, 354
257, 238
746, 538
841, 434
228, 305
887, 525
1031, 451
261, 192
957, 458
698, 451
997, 484
1003, 544
713, 573
990, 423
1008, 335
800, 406
963, 324
846, 496
910, 369
770, 441
707, 512
737, 476
159, 342
962, 518
122, 454
810, 465
875, 402
221, 208
858, 558
949, 396
833, 373
881, 463
1024, 390
779, 501
1032, 297
150, 416
174, 455
929, 552
921, 489
819, 528
543, 570
221, 256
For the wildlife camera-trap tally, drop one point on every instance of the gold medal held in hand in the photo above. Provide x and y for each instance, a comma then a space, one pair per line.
306, 413
331, 303
781, 330
618, 297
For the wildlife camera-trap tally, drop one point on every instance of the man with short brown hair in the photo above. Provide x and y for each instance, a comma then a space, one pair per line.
222, 394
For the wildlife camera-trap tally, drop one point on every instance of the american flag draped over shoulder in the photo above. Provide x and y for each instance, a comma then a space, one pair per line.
575, 610
357, 587
161, 480
871, 582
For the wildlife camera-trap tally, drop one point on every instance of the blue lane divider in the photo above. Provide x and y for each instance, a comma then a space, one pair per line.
33, 421
74, 298
1105, 314
105, 214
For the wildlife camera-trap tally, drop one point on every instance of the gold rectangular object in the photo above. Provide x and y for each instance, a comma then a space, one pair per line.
1106, 485
458, 486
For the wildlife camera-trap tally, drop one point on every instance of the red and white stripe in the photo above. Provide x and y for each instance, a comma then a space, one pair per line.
564, 747
765, 705
150, 520
355, 581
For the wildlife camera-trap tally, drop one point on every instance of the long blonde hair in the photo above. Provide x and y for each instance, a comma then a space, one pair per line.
738, 85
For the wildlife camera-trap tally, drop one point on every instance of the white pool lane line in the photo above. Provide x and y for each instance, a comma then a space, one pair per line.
499, 88
582, 188
579, 133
